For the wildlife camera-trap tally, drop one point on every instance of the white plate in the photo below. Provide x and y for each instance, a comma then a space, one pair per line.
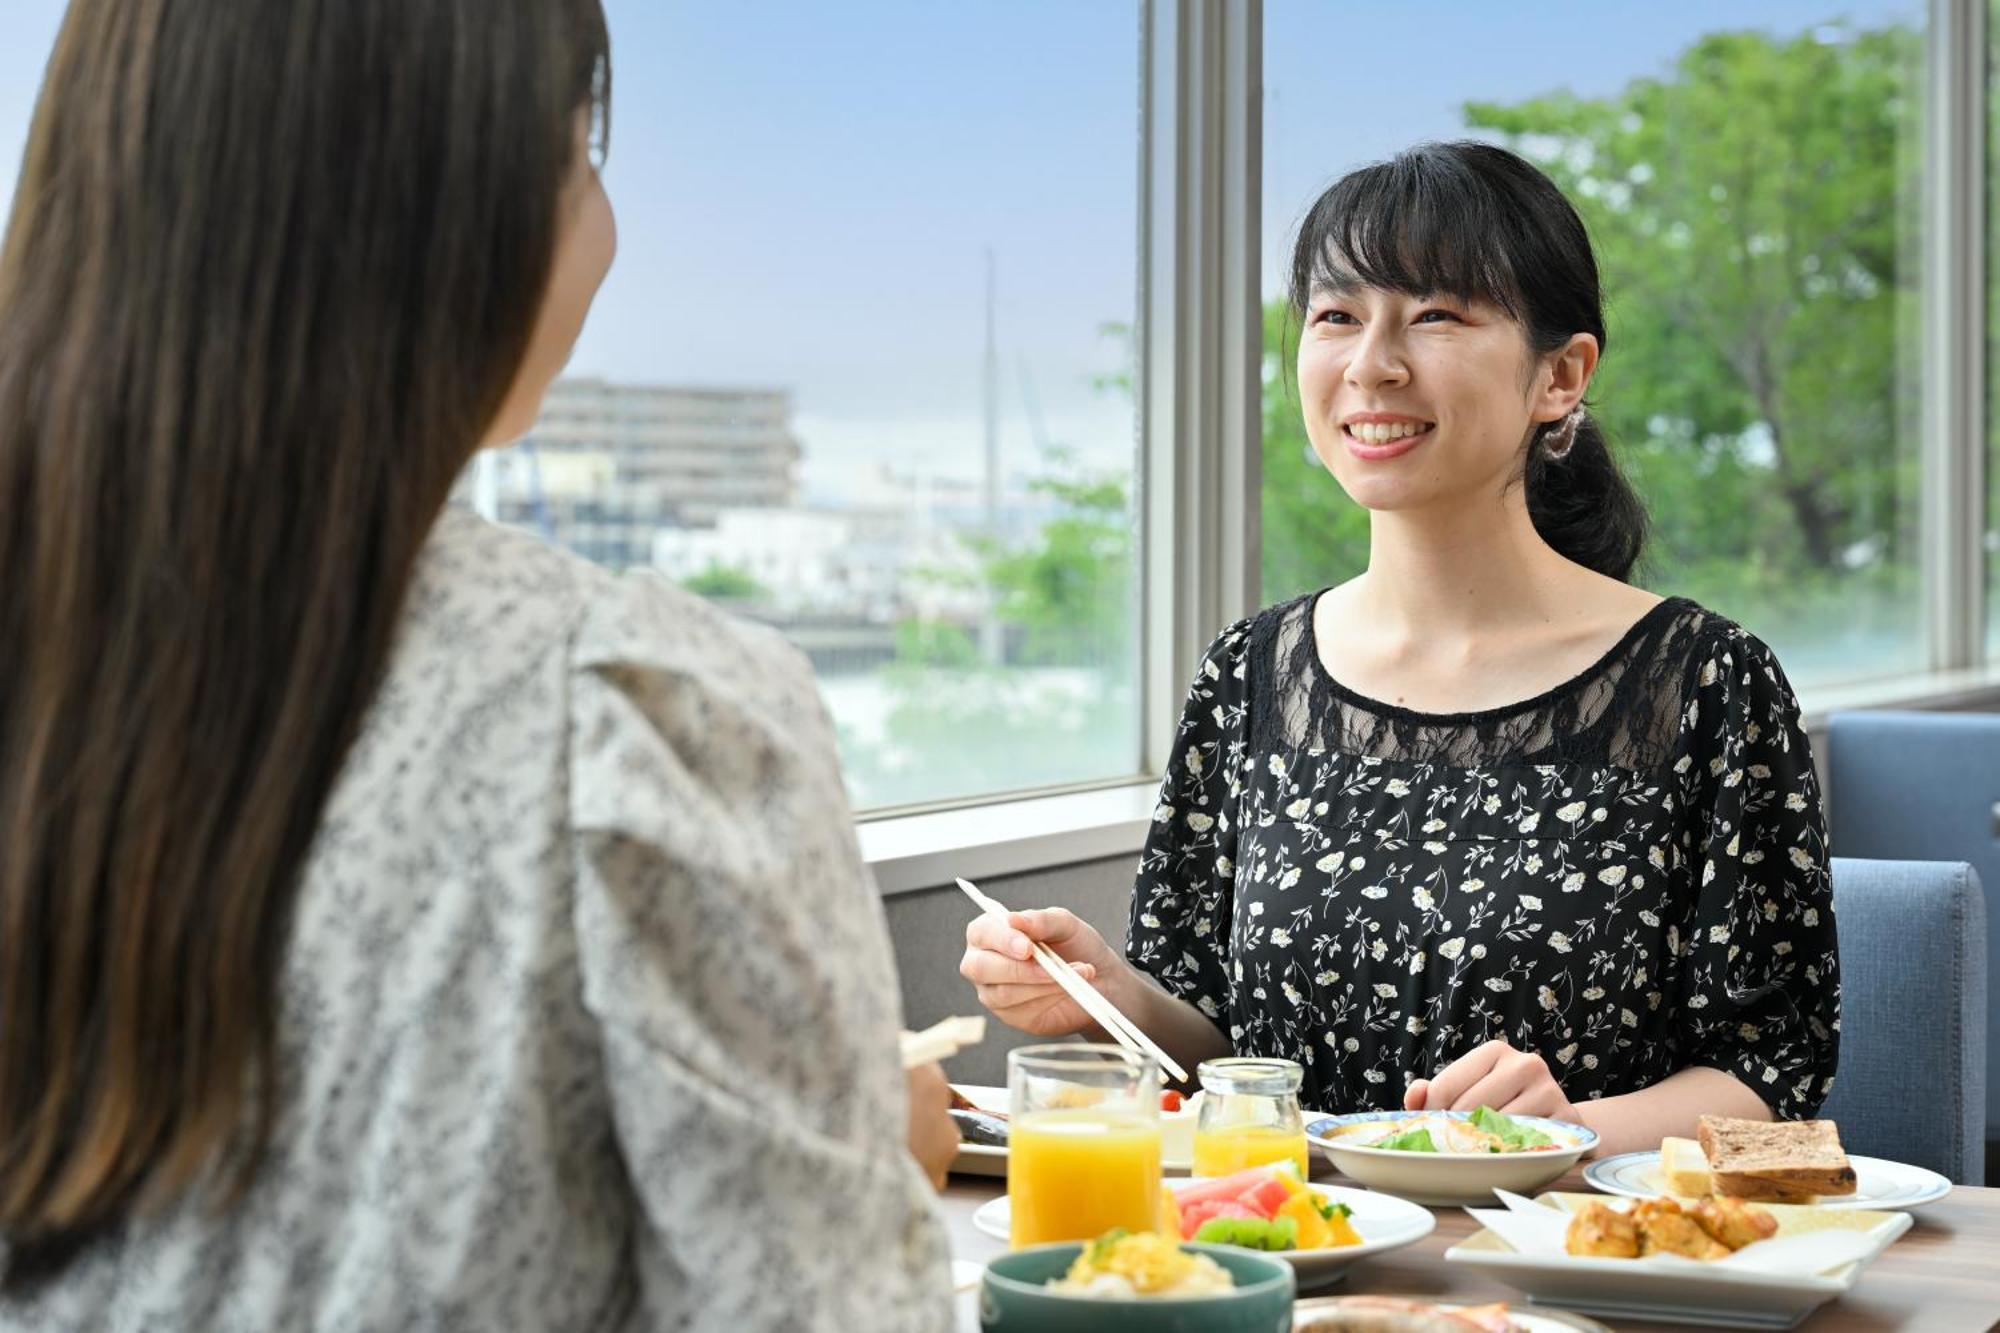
1384, 1221
1637, 1289
1441, 1178
1879, 1184
1527, 1321
982, 1159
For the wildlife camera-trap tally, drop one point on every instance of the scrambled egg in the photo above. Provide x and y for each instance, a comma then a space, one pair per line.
1144, 1263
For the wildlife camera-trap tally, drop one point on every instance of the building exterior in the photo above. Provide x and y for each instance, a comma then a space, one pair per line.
607, 466
868, 565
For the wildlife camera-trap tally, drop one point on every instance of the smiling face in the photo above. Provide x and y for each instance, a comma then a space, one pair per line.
1413, 402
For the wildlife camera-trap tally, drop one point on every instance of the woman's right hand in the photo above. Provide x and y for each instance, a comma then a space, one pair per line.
1000, 963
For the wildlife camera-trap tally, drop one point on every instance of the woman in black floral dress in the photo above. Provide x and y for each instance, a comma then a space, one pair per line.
1485, 824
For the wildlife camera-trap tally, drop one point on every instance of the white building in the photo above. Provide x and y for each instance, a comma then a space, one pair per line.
608, 465
873, 565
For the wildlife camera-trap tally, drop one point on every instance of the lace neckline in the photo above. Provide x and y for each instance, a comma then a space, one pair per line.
1664, 607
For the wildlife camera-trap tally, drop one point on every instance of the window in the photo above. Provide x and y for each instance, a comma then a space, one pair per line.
863, 369
862, 243
1752, 177
30, 28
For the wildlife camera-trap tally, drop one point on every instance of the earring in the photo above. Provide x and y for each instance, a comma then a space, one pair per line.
1562, 436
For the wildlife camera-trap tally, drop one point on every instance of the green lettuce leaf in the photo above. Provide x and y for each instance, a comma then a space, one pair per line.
1513, 1133
1410, 1140
1329, 1210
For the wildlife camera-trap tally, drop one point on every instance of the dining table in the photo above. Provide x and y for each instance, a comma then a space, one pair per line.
1942, 1274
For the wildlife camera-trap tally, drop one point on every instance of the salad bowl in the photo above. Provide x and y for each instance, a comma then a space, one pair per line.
1449, 1157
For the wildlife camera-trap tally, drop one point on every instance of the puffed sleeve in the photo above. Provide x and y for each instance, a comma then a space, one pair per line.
734, 955
1759, 968
1179, 929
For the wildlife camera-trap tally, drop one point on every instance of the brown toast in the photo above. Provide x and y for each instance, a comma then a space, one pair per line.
1780, 1162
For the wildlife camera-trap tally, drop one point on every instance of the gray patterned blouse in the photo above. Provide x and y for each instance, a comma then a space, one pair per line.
589, 1016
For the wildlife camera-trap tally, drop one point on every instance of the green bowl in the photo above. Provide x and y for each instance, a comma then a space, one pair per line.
1014, 1296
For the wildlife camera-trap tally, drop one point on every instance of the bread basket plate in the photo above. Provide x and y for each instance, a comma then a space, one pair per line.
1879, 1185
1720, 1297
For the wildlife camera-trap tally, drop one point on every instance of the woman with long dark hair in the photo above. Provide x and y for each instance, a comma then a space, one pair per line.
1485, 824
403, 924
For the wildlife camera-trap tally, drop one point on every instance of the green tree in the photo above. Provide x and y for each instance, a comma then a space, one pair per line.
1070, 590
726, 583
1753, 215
931, 644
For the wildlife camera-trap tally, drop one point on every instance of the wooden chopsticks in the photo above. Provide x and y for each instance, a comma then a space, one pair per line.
1122, 1029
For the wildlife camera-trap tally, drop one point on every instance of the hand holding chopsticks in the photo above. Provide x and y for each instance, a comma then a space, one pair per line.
1087, 997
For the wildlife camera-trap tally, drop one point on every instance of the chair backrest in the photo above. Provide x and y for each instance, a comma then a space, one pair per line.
1925, 786
1912, 1079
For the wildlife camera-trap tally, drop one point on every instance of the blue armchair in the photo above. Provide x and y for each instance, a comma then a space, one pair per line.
1912, 1079
1926, 786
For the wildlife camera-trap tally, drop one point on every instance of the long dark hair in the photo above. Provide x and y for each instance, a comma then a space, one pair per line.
270, 272
1476, 222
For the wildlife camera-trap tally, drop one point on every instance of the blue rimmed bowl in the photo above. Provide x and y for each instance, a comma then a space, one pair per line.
1445, 1178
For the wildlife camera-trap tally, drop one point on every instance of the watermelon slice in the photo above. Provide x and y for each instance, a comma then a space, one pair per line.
1265, 1197
1224, 1187
1195, 1216
1262, 1189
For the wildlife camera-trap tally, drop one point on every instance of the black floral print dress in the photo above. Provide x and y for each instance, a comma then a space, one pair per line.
1627, 875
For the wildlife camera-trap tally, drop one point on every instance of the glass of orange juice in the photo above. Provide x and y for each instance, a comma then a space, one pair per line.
1249, 1116
1083, 1143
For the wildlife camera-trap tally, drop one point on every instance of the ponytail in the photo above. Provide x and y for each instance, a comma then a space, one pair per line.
1581, 503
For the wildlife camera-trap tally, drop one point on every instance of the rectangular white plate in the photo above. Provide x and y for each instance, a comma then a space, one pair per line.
1721, 1298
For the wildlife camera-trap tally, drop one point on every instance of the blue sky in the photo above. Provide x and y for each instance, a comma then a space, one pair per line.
806, 190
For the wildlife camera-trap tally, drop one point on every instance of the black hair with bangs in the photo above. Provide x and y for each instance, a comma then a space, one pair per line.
1476, 222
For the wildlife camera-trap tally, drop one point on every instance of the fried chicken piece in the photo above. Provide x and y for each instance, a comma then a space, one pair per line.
1735, 1223
1602, 1231
1666, 1228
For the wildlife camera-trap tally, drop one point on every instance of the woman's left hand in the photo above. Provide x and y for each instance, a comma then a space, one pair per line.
1495, 1075
932, 1135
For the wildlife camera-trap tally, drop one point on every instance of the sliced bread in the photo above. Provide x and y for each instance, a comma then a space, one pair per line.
1787, 1161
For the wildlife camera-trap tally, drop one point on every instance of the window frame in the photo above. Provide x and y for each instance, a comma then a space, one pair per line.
1953, 388
1201, 340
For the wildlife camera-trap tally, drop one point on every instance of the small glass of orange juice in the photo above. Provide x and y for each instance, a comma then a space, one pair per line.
1083, 1143
1250, 1116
